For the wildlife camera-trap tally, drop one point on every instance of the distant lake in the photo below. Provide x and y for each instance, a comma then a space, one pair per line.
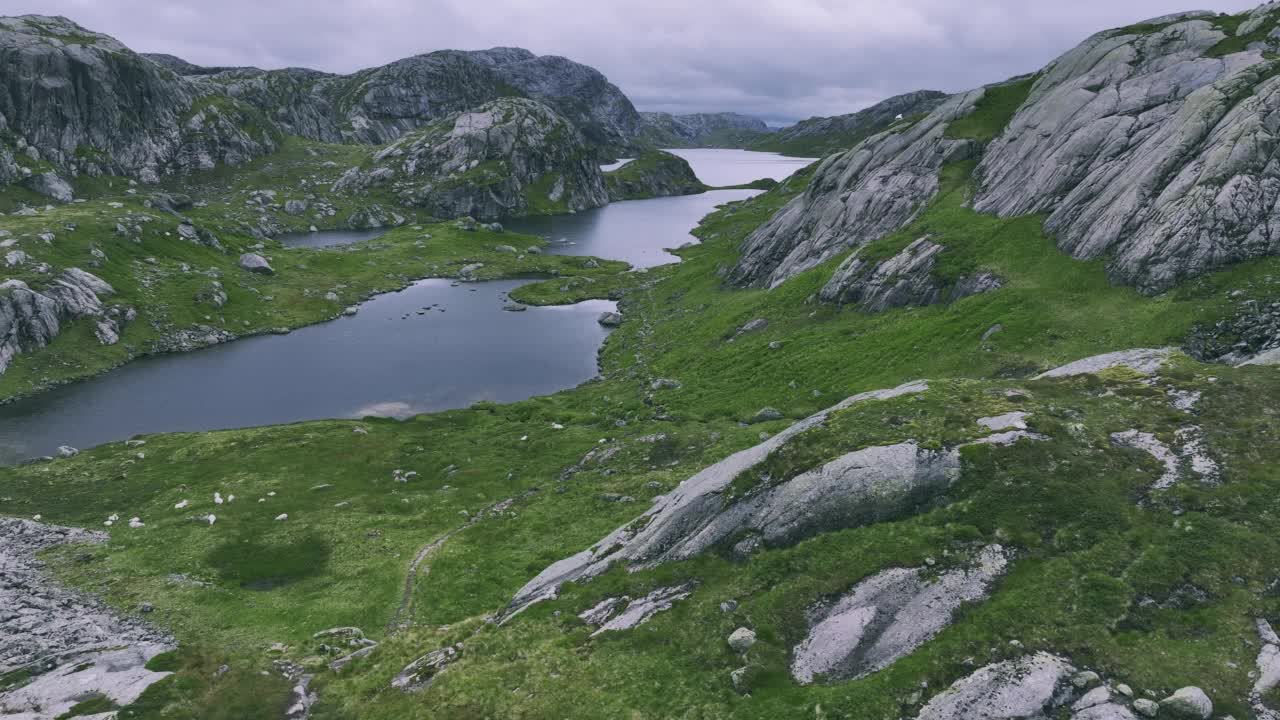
328, 238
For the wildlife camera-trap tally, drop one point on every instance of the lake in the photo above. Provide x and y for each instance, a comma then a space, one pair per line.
433, 346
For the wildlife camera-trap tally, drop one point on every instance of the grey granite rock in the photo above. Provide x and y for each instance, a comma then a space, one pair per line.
50, 185
697, 514
856, 197
70, 644
1146, 361
1143, 147
887, 616
31, 319
1189, 703
1028, 687
904, 279
504, 158
256, 264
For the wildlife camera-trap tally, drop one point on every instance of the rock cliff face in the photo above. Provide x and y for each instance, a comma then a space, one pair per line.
701, 129
581, 93
85, 103
857, 196
654, 174
381, 104
1151, 145
1155, 148
507, 157
31, 319
905, 279
819, 136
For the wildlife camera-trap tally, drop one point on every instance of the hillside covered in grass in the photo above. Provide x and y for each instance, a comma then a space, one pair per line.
906, 435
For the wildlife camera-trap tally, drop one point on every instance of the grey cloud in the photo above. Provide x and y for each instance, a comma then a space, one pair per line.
778, 59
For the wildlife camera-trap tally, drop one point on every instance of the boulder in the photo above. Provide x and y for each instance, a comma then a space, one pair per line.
1188, 702
50, 185
742, 639
256, 264
610, 319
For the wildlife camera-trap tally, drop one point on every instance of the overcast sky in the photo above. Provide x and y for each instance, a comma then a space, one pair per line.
778, 59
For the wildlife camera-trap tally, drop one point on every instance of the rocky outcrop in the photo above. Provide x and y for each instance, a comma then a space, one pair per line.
508, 157
724, 129
49, 185
706, 511
1027, 687
653, 174
87, 104
1144, 361
702, 512
70, 646
382, 104
857, 197
887, 616
1149, 145
905, 279
623, 613
1150, 148
820, 136
600, 111
31, 319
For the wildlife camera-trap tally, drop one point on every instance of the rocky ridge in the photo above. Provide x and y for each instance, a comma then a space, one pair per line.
857, 196
905, 279
83, 103
70, 646
701, 129
507, 157
819, 136
31, 319
1149, 145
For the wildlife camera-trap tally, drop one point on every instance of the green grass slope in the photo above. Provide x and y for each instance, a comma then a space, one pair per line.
1157, 589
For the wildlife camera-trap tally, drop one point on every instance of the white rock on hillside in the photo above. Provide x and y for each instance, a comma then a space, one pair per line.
887, 616
1024, 688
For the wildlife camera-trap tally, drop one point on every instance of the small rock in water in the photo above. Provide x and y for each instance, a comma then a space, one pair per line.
67, 451
610, 319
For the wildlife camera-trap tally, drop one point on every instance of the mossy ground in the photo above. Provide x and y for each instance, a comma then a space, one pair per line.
1103, 571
